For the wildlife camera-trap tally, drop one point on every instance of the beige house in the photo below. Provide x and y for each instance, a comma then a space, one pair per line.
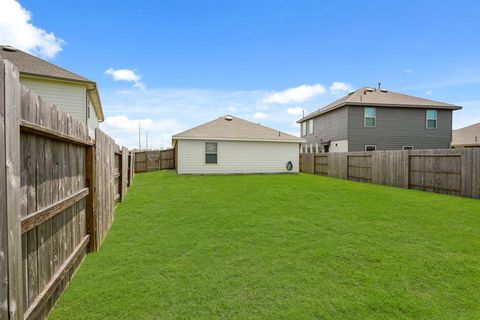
468, 137
70, 92
230, 145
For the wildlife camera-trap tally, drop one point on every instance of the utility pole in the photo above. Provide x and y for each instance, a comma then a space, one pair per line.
139, 142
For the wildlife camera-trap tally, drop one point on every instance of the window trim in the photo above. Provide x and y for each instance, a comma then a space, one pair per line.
206, 152
310, 126
410, 147
365, 117
427, 119
370, 145
303, 128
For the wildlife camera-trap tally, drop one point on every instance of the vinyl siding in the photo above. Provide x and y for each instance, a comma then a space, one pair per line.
397, 127
237, 157
329, 126
69, 97
92, 121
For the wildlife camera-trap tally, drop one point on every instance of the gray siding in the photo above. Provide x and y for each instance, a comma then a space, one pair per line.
329, 126
397, 127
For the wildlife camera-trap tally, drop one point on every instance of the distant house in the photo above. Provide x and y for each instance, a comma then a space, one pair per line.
230, 145
376, 119
70, 92
468, 137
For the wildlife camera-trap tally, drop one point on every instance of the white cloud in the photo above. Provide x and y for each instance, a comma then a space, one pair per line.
340, 88
122, 122
260, 115
297, 111
294, 95
125, 75
428, 93
408, 71
17, 30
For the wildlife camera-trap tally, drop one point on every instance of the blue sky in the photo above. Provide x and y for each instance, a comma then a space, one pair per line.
191, 61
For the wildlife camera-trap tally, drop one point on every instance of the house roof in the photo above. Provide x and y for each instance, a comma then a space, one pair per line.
233, 128
29, 65
383, 98
467, 136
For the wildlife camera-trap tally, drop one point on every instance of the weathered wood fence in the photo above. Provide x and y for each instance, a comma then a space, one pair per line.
58, 190
448, 171
153, 160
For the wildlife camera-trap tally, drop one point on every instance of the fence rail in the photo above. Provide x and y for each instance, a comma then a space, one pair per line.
57, 191
448, 171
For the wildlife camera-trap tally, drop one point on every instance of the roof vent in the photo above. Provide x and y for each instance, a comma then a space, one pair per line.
9, 49
228, 118
383, 90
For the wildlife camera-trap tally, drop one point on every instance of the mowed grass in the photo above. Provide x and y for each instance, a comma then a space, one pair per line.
281, 247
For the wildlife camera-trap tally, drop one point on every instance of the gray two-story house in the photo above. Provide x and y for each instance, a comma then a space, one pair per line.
376, 119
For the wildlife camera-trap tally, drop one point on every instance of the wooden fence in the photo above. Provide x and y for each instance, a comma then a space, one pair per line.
154, 160
448, 171
57, 197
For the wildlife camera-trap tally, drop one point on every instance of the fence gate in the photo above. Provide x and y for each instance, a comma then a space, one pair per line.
435, 173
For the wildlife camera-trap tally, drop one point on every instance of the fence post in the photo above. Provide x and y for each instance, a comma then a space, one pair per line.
91, 213
10, 233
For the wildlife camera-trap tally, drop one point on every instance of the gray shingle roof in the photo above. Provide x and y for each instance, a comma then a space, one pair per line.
29, 64
374, 97
468, 136
235, 129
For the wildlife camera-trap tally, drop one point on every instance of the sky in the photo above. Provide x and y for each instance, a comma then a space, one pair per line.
172, 65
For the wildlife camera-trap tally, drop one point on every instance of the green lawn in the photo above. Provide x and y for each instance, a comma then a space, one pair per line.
281, 247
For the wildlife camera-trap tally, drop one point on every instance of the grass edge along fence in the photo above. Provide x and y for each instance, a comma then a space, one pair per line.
447, 171
58, 191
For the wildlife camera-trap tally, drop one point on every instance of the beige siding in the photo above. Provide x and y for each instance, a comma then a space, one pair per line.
237, 157
92, 121
69, 97
338, 146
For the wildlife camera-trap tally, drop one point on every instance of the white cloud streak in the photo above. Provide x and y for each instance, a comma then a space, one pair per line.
297, 111
295, 95
17, 31
128, 75
260, 115
340, 88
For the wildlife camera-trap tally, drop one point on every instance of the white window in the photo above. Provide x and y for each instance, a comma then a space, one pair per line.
370, 117
310, 126
370, 147
304, 128
407, 147
210, 152
431, 121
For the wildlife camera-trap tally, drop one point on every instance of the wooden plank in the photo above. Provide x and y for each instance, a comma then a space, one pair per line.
91, 218
37, 218
3, 205
37, 129
12, 105
33, 311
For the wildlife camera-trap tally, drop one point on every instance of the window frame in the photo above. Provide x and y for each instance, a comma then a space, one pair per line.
370, 145
310, 126
210, 153
428, 119
303, 128
365, 117
408, 147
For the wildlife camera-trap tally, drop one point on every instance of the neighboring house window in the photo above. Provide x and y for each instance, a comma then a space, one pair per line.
370, 147
310, 126
407, 147
370, 116
431, 119
211, 152
304, 128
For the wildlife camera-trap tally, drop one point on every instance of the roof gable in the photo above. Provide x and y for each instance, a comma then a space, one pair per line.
233, 128
29, 64
375, 97
467, 136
